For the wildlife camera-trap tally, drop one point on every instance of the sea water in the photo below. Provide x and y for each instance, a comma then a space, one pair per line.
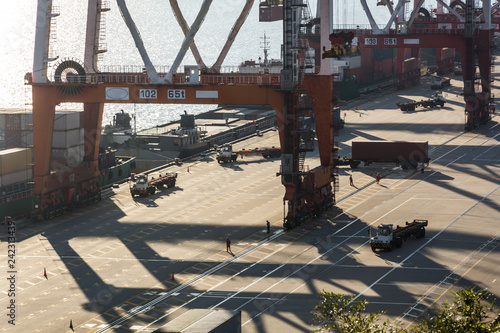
162, 37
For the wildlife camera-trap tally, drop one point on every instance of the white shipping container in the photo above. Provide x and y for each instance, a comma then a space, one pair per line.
72, 155
66, 139
64, 121
16, 177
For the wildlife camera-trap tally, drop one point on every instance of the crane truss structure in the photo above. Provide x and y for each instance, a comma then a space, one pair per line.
458, 25
294, 94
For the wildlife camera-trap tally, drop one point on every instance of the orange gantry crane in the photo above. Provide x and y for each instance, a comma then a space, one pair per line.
463, 28
293, 94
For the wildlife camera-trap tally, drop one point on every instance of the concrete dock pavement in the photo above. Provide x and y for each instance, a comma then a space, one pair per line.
110, 265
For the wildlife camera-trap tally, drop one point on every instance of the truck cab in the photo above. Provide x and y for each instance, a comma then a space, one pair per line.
139, 185
388, 237
225, 154
384, 234
226, 150
384, 238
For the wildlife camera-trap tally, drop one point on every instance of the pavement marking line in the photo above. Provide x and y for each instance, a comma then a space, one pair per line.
408, 268
425, 244
150, 305
489, 139
391, 303
353, 251
442, 145
307, 264
436, 285
298, 235
134, 259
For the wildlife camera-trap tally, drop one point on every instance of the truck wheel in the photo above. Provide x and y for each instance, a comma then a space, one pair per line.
399, 242
374, 248
152, 191
421, 233
391, 246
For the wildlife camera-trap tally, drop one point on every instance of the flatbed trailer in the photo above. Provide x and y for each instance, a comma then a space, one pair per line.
388, 237
142, 185
438, 100
226, 153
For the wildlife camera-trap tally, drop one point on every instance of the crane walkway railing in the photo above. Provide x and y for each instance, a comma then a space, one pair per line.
205, 79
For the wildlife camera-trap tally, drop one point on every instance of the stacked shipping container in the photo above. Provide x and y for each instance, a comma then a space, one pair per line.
68, 146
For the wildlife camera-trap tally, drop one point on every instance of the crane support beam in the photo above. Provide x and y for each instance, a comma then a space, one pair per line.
92, 35
42, 36
414, 13
393, 16
451, 10
373, 24
134, 31
325, 11
205, 6
47, 96
243, 94
320, 88
232, 35
185, 29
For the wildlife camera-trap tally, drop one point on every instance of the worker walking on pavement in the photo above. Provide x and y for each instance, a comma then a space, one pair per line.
378, 178
350, 180
268, 227
228, 245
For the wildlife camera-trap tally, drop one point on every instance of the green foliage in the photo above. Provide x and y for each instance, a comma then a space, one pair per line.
467, 313
335, 312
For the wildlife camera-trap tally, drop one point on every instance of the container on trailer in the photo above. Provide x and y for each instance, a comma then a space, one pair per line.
390, 152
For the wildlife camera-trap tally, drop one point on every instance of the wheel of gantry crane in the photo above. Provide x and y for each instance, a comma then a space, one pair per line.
70, 73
